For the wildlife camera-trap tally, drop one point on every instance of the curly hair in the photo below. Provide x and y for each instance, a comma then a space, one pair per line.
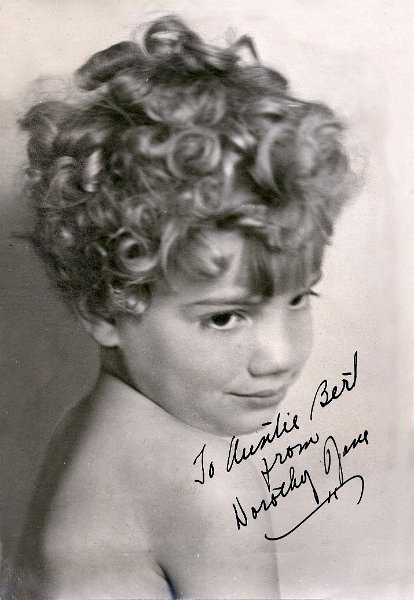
169, 140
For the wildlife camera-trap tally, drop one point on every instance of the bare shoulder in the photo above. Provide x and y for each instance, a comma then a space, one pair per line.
96, 541
148, 498
198, 540
190, 503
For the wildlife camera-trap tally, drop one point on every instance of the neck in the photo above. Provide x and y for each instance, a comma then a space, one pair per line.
112, 362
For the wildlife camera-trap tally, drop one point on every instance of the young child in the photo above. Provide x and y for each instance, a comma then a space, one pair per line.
183, 201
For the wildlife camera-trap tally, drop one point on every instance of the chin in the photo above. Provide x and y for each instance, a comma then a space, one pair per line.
249, 424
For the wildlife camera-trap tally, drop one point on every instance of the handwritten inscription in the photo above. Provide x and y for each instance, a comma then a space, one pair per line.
363, 437
325, 397
279, 491
282, 457
200, 456
239, 452
332, 494
295, 482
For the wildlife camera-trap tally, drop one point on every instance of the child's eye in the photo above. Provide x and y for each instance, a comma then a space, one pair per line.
223, 321
302, 299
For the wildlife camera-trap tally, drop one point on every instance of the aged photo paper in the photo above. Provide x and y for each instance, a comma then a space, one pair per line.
337, 459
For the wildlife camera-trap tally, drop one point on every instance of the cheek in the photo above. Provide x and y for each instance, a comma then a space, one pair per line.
301, 338
181, 356
304, 338
210, 359
205, 361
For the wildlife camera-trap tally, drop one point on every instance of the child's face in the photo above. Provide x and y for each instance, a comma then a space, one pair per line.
214, 356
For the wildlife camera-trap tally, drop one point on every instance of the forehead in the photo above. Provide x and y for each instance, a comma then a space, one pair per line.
245, 268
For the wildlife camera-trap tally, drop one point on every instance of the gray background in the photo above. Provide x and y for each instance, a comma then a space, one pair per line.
353, 55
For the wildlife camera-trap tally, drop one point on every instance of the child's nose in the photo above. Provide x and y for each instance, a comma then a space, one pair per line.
273, 349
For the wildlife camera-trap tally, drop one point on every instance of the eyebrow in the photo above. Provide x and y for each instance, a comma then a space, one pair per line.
244, 298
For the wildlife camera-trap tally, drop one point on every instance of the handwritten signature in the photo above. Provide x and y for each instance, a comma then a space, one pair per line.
295, 482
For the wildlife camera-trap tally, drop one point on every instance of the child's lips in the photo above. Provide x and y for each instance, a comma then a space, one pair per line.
264, 397
259, 393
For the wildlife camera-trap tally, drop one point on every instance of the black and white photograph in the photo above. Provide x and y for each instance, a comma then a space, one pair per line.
206, 352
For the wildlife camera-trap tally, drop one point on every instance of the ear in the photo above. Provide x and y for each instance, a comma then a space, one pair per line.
103, 332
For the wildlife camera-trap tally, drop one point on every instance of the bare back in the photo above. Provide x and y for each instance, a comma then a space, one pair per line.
126, 517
